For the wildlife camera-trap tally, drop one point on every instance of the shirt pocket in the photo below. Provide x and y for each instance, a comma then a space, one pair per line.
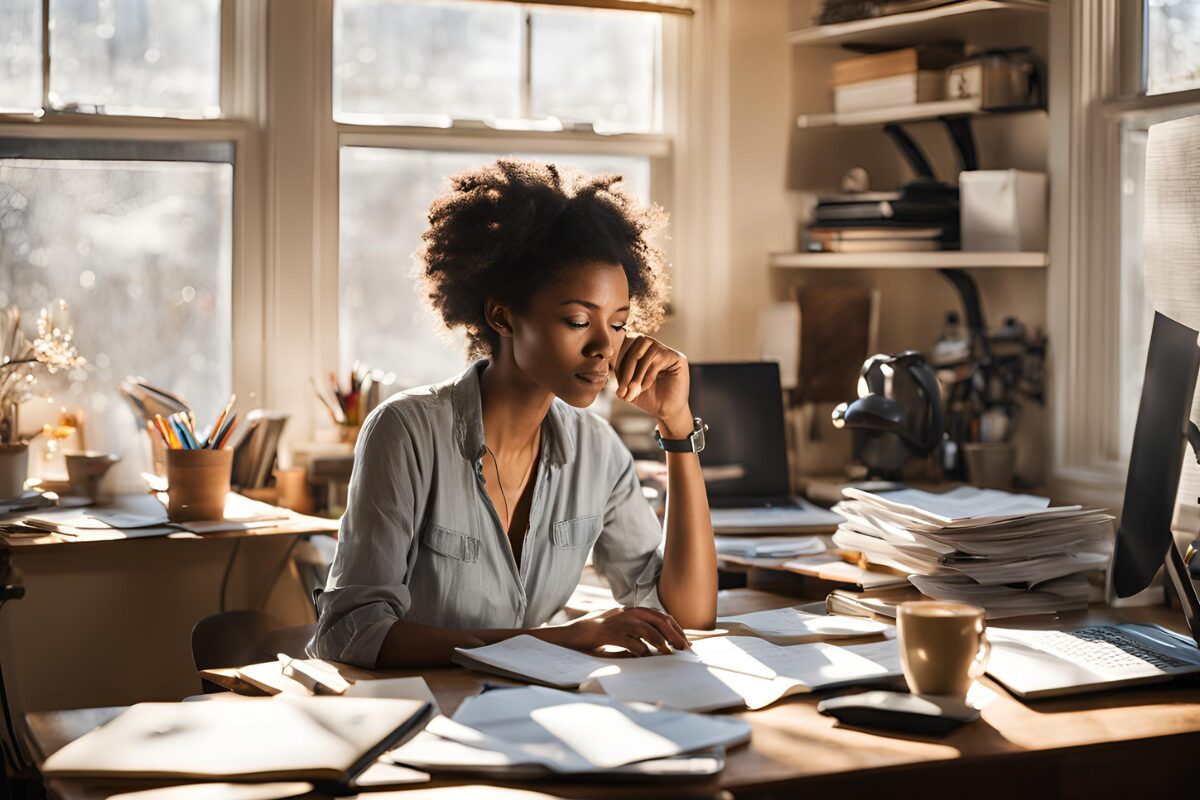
573, 534
450, 543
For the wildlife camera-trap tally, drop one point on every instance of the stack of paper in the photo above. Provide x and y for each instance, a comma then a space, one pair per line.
722, 672
532, 730
1012, 554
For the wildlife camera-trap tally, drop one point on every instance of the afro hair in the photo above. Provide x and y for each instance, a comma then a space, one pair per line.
506, 229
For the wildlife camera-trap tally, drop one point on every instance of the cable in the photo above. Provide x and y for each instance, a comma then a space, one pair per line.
287, 556
229, 568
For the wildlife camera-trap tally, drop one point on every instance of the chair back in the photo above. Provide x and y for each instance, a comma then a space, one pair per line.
237, 638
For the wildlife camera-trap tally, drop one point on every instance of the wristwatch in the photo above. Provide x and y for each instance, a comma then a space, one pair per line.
692, 444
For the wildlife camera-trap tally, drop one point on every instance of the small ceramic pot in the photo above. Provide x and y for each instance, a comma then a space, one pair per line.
14, 468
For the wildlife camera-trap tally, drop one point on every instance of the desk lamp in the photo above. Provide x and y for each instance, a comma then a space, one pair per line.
898, 413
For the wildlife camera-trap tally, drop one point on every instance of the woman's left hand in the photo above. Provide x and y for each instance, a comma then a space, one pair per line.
654, 378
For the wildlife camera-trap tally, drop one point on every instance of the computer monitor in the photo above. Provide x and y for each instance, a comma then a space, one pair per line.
742, 403
1144, 540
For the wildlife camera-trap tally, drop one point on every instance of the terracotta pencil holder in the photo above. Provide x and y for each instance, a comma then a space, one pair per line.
197, 483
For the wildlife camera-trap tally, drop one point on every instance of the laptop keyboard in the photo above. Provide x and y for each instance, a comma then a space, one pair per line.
1101, 649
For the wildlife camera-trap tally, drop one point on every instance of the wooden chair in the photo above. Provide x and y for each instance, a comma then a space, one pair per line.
237, 638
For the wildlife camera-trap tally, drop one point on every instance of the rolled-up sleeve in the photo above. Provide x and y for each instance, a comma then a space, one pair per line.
628, 553
367, 590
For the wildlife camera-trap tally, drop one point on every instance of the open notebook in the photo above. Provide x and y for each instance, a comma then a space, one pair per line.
295, 738
722, 672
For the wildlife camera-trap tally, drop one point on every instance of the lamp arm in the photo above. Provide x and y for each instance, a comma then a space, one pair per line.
1193, 436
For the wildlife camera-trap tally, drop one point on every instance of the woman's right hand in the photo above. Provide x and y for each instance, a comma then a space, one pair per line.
631, 628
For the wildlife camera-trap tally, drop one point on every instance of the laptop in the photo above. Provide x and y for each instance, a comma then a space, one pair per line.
745, 460
1037, 664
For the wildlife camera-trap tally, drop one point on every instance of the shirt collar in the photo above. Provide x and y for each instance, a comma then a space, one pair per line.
468, 420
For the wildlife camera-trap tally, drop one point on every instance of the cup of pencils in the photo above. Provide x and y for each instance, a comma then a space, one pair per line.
198, 466
349, 408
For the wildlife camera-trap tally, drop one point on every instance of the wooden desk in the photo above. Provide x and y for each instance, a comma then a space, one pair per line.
1135, 741
108, 622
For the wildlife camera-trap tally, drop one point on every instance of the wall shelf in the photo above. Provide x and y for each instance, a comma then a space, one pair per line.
940, 259
960, 21
919, 112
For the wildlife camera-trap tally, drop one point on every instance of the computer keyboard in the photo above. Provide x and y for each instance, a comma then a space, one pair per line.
1101, 648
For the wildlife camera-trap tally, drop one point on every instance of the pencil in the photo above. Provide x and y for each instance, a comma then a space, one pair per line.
228, 433
208, 442
166, 431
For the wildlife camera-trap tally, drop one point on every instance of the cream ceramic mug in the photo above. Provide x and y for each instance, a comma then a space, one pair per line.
942, 646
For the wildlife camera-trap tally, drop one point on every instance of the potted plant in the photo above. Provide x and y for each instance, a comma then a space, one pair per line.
21, 360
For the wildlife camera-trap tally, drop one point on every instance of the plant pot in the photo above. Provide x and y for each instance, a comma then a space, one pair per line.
14, 468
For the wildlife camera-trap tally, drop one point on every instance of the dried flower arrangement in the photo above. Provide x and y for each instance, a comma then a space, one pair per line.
22, 358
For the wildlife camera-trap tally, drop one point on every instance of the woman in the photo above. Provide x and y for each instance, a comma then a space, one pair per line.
474, 503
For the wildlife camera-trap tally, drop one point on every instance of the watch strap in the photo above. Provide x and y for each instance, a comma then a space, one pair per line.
692, 444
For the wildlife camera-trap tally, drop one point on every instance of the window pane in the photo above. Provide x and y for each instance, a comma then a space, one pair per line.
146, 270
1136, 312
1172, 45
395, 59
596, 66
385, 197
20, 55
152, 57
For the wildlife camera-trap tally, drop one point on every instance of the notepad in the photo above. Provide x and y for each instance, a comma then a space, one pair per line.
283, 738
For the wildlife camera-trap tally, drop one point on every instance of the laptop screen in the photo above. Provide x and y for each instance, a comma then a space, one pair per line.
745, 453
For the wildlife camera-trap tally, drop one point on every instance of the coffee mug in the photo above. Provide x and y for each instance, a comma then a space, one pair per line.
942, 646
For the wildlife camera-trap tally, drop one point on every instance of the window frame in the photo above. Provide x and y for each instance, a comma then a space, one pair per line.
241, 72
276, 91
660, 148
1101, 77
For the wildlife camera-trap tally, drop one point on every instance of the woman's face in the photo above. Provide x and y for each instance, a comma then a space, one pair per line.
570, 333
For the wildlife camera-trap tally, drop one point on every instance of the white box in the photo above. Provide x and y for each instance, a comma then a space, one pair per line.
1003, 210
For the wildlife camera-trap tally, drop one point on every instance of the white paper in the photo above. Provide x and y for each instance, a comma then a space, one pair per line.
792, 623
802, 515
769, 546
569, 732
963, 503
538, 660
413, 688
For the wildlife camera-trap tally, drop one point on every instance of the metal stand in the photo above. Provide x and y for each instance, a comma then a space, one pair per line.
1182, 581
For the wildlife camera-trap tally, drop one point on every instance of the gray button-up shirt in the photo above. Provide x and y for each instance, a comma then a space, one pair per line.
421, 541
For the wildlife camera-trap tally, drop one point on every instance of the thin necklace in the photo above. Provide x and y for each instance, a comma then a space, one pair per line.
500, 483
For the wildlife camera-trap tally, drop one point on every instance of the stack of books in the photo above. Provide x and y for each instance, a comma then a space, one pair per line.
921, 217
894, 78
1011, 554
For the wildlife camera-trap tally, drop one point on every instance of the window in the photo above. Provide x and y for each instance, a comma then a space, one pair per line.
1172, 39
424, 62
1171, 43
20, 55
151, 57
130, 221
151, 238
384, 196
424, 90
